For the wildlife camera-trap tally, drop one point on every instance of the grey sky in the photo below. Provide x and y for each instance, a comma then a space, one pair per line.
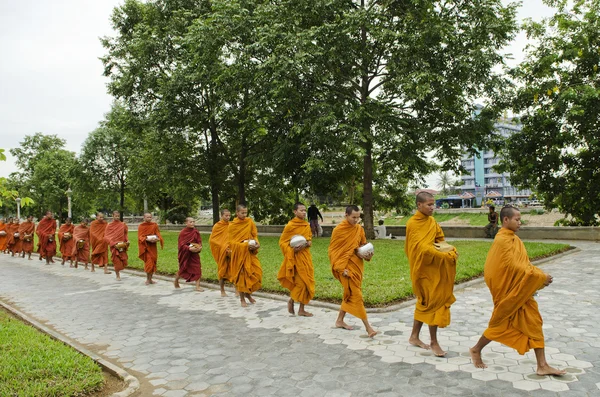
50, 75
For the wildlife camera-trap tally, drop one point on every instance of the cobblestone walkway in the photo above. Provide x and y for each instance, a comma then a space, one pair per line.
199, 344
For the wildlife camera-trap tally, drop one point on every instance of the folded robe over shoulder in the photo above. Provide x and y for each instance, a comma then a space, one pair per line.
116, 232
297, 272
27, 228
66, 246
219, 241
245, 268
46, 232
190, 267
3, 239
432, 272
148, 252
99, 246
81, 233
345, 239
512, 280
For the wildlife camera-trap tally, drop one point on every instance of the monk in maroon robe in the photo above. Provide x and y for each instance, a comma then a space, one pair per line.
65, 236
99, 246
14, 239
46, 232
118, 242
81, 247
26, 231
189, 247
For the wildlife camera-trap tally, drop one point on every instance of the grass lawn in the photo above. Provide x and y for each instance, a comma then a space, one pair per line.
33, 364
386, 280
472, 219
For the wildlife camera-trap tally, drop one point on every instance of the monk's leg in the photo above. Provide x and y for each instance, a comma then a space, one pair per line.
290, 305
29, 256
250, 298
302, 312
243, 299
414, 335
198, 286
51, 258
222, 285
339, 322
542, 365
63, 260
118, 274
176, 281
476, 352
434, 344
148, 278
370, 331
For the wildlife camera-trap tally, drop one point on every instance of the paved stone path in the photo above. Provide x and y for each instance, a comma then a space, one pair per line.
183, 343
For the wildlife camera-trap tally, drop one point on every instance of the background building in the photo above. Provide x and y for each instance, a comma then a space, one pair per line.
483, 182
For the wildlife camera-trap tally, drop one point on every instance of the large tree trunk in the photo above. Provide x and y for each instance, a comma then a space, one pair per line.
368, 192
214, 171
242, 173
122, 199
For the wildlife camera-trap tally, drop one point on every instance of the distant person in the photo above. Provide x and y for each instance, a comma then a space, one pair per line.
245, 268
46, 232
99, 246
116, 236
432, 264
65, 236
512, 279
296, 272
219, 248
3, 234
148, 236
492, 227
348, 267
380, 230
189, 245
313, 218
14, 242
26, 231
81, 248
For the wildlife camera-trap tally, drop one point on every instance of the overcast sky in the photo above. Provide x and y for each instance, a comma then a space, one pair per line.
51, 78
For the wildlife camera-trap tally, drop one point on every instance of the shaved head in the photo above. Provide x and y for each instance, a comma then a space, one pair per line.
508, 211
424, 197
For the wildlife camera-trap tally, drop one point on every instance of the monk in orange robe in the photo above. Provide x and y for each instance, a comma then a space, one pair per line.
116, 237
189, 245
3, 234
26, 231
219, 247
148, 236
432, 271
46, 232
81, 246
245, 268
99, 246
15, 242
65, 236
512, 279
297, 272
348, 268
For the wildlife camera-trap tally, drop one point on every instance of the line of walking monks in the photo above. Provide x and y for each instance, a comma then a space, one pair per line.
508, 273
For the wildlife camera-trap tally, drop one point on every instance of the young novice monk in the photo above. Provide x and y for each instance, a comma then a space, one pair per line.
348, 267
516, 321
297, 272
432, 271
219, 248
147, 249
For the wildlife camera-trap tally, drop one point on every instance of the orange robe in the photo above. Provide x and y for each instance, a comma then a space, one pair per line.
11, 229
148, 251
66, 246
99, 246
81, 233
116, 232
345, 239
46, 232
512, 280
27, 228
219, 242
297, 272
432, 272
4, 238
16, 243
245, 269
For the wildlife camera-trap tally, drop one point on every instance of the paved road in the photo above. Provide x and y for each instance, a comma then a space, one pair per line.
183, 343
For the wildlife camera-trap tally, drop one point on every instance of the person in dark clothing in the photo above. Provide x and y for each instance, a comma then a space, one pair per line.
492, 227
313, 215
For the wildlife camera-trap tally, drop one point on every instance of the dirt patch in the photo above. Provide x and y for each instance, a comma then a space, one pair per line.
112, 385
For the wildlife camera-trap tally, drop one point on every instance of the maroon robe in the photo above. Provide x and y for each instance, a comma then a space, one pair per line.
46, 232
190, 268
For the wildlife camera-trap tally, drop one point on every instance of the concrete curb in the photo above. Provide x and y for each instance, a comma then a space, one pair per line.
133, 384
334, 306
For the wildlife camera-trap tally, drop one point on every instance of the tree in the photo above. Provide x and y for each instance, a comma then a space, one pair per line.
6, 191
558, 98
444, 182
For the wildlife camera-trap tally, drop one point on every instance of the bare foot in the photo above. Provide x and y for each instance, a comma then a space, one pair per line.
251, 299
304, 313
371, 333
71, 265
548, 370
118, 278
341, 324
244, 304
237, 293
223, 294
63, 262
147, 282
51, 260
419, 343
30, 258
106, 272
40, 257
198, 289
437, 350
476, 358
152, 282
176, 284
290, 305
